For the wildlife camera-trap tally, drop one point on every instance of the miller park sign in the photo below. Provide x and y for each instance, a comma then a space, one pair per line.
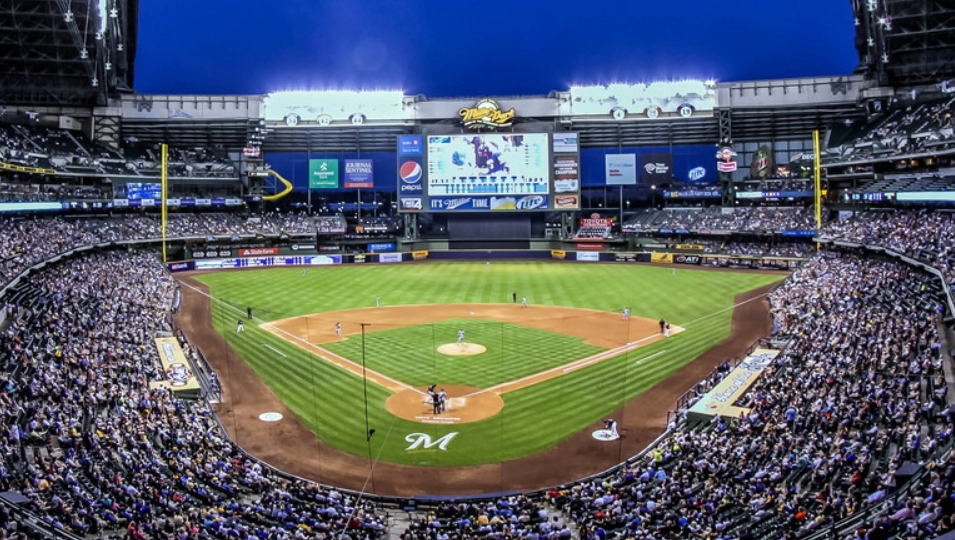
486, 113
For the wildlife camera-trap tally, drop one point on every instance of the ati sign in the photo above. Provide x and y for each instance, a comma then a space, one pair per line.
486, 113
423, 440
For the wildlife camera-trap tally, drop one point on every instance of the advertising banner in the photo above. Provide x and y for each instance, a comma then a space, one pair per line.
566, 143
558, 254
253, 252
323, 174
687, 259
527, 202
410, 176
588, 256
412, 204
313, 260
596, 221
661, 258
566, 174
410, 145
359, 173
567, 202
621, 169
182, 266
419, 255
376, 247
656, 168
389, 258
763, 162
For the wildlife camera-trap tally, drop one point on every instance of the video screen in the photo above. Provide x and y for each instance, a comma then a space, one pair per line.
488, 164
139, 190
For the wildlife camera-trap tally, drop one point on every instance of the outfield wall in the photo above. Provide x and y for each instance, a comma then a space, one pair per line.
715, 261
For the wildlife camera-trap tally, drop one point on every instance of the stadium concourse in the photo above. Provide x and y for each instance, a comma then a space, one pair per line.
856, 405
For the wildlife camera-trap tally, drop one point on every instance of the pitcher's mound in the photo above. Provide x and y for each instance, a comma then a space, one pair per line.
461, 349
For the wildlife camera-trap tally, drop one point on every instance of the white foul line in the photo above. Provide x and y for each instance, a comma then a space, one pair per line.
267, 346
324, 353
645, 358
717, 312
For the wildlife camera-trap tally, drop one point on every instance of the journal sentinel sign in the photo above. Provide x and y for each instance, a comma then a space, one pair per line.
359, 173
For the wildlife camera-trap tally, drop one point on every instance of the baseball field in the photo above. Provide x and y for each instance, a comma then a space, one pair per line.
520, 380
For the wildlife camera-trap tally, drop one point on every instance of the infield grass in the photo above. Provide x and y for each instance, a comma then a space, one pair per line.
331, 401
409, 354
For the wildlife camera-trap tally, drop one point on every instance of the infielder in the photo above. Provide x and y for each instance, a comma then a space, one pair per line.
523, 301
626, 314
338, 329
239, 327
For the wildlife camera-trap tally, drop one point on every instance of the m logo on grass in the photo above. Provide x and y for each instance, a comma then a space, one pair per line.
424, 440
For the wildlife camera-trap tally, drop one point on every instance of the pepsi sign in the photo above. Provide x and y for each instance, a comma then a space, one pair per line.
410, 173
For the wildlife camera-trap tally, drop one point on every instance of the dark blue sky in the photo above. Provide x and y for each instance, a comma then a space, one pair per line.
452, 48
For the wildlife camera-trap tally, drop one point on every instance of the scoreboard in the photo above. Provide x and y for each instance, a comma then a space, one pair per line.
496, 172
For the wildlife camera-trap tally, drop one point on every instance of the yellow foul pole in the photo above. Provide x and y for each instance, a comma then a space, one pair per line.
817, 172
165, 179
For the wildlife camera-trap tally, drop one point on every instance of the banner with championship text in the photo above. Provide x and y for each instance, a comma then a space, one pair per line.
722, 398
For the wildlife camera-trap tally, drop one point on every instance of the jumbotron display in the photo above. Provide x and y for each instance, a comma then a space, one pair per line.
488, 172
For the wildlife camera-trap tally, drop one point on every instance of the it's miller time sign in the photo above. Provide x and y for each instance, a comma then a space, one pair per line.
486, 113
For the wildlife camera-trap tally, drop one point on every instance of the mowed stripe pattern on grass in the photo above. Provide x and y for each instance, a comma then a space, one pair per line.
330, 401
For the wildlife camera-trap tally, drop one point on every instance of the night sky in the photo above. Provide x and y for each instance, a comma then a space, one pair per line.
450, 48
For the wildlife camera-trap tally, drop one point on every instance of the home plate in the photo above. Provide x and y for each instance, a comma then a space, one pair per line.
270, 417
605, 435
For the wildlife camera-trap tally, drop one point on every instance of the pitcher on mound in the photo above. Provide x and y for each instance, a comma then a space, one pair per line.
461, 337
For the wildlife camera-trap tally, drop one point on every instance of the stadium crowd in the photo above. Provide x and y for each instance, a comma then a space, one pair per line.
905, 128
857, 395
858, 392
921, 234
746, 219
100, 449
70, 152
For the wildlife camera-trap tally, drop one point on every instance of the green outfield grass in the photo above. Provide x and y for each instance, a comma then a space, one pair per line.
331, 401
